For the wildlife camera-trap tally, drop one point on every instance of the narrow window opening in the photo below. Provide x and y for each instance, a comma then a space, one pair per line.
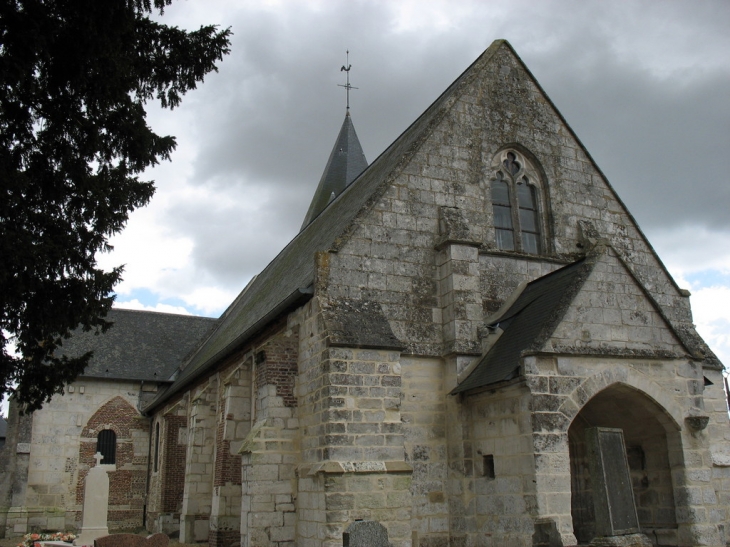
488, 462
502, 206
529, 223
106, 445
636, 458
157, 445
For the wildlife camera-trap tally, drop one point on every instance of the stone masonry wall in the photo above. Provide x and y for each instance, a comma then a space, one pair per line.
503, 473
612, 311
668, 391
14, 460
716, 407
311, 393
423, 412
353, 461
270, 450
501, 275
55, 470
269, 461
233, 424
390, 256
199, 462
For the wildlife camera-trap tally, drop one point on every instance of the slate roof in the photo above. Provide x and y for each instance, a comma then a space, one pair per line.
526, 324
141, 345
287, 280
345, 163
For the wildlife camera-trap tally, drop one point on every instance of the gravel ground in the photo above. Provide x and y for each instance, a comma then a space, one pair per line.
12, 542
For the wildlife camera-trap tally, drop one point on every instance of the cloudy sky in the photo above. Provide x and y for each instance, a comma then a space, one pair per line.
644, 84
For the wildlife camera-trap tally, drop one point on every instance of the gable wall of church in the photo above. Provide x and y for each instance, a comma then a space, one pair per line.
391, 257
612, 313
59, 457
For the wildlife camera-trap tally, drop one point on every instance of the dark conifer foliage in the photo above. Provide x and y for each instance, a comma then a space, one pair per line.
75, 76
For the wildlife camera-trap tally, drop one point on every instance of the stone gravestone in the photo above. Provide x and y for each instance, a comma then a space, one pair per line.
613, 497
132, 540
96, 505
365, 533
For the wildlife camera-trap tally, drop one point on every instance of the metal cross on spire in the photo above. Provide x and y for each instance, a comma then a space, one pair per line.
347, 86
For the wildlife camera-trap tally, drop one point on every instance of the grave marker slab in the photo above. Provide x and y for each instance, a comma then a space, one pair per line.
365, 533
613, 497
96, 504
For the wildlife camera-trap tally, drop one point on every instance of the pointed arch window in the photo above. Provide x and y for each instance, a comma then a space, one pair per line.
516, 204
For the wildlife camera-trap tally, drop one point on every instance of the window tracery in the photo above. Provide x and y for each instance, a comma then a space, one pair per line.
516, 204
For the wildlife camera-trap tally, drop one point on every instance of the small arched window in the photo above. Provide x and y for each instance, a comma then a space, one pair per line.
106, 445
516, 204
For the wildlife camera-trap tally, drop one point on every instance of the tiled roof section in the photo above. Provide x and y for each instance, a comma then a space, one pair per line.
345, 163
287, 279
527, 323
141, 345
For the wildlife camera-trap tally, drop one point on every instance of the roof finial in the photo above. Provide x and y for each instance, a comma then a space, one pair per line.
347, 86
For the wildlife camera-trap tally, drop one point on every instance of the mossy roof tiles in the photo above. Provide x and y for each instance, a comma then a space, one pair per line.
141, 345
540, 305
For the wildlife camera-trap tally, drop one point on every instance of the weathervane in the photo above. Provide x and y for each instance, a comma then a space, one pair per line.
347, 86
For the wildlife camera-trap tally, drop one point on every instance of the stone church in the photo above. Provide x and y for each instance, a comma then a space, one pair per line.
430, 352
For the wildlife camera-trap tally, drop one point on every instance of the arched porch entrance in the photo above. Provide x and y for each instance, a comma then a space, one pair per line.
649, 435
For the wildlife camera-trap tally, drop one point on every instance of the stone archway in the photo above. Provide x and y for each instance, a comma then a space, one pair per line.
649, 434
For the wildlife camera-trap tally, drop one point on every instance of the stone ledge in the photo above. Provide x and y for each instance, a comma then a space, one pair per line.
354, 467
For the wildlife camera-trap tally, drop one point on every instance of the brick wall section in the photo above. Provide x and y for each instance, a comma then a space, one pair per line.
227, 465
279, 367
163, 494
173, 465
233, 423
127, 484
117, 414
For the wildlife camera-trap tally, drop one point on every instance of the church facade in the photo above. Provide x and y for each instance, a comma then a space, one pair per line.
428, 353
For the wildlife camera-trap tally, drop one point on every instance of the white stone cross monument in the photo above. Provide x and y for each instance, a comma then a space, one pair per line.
96, 504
